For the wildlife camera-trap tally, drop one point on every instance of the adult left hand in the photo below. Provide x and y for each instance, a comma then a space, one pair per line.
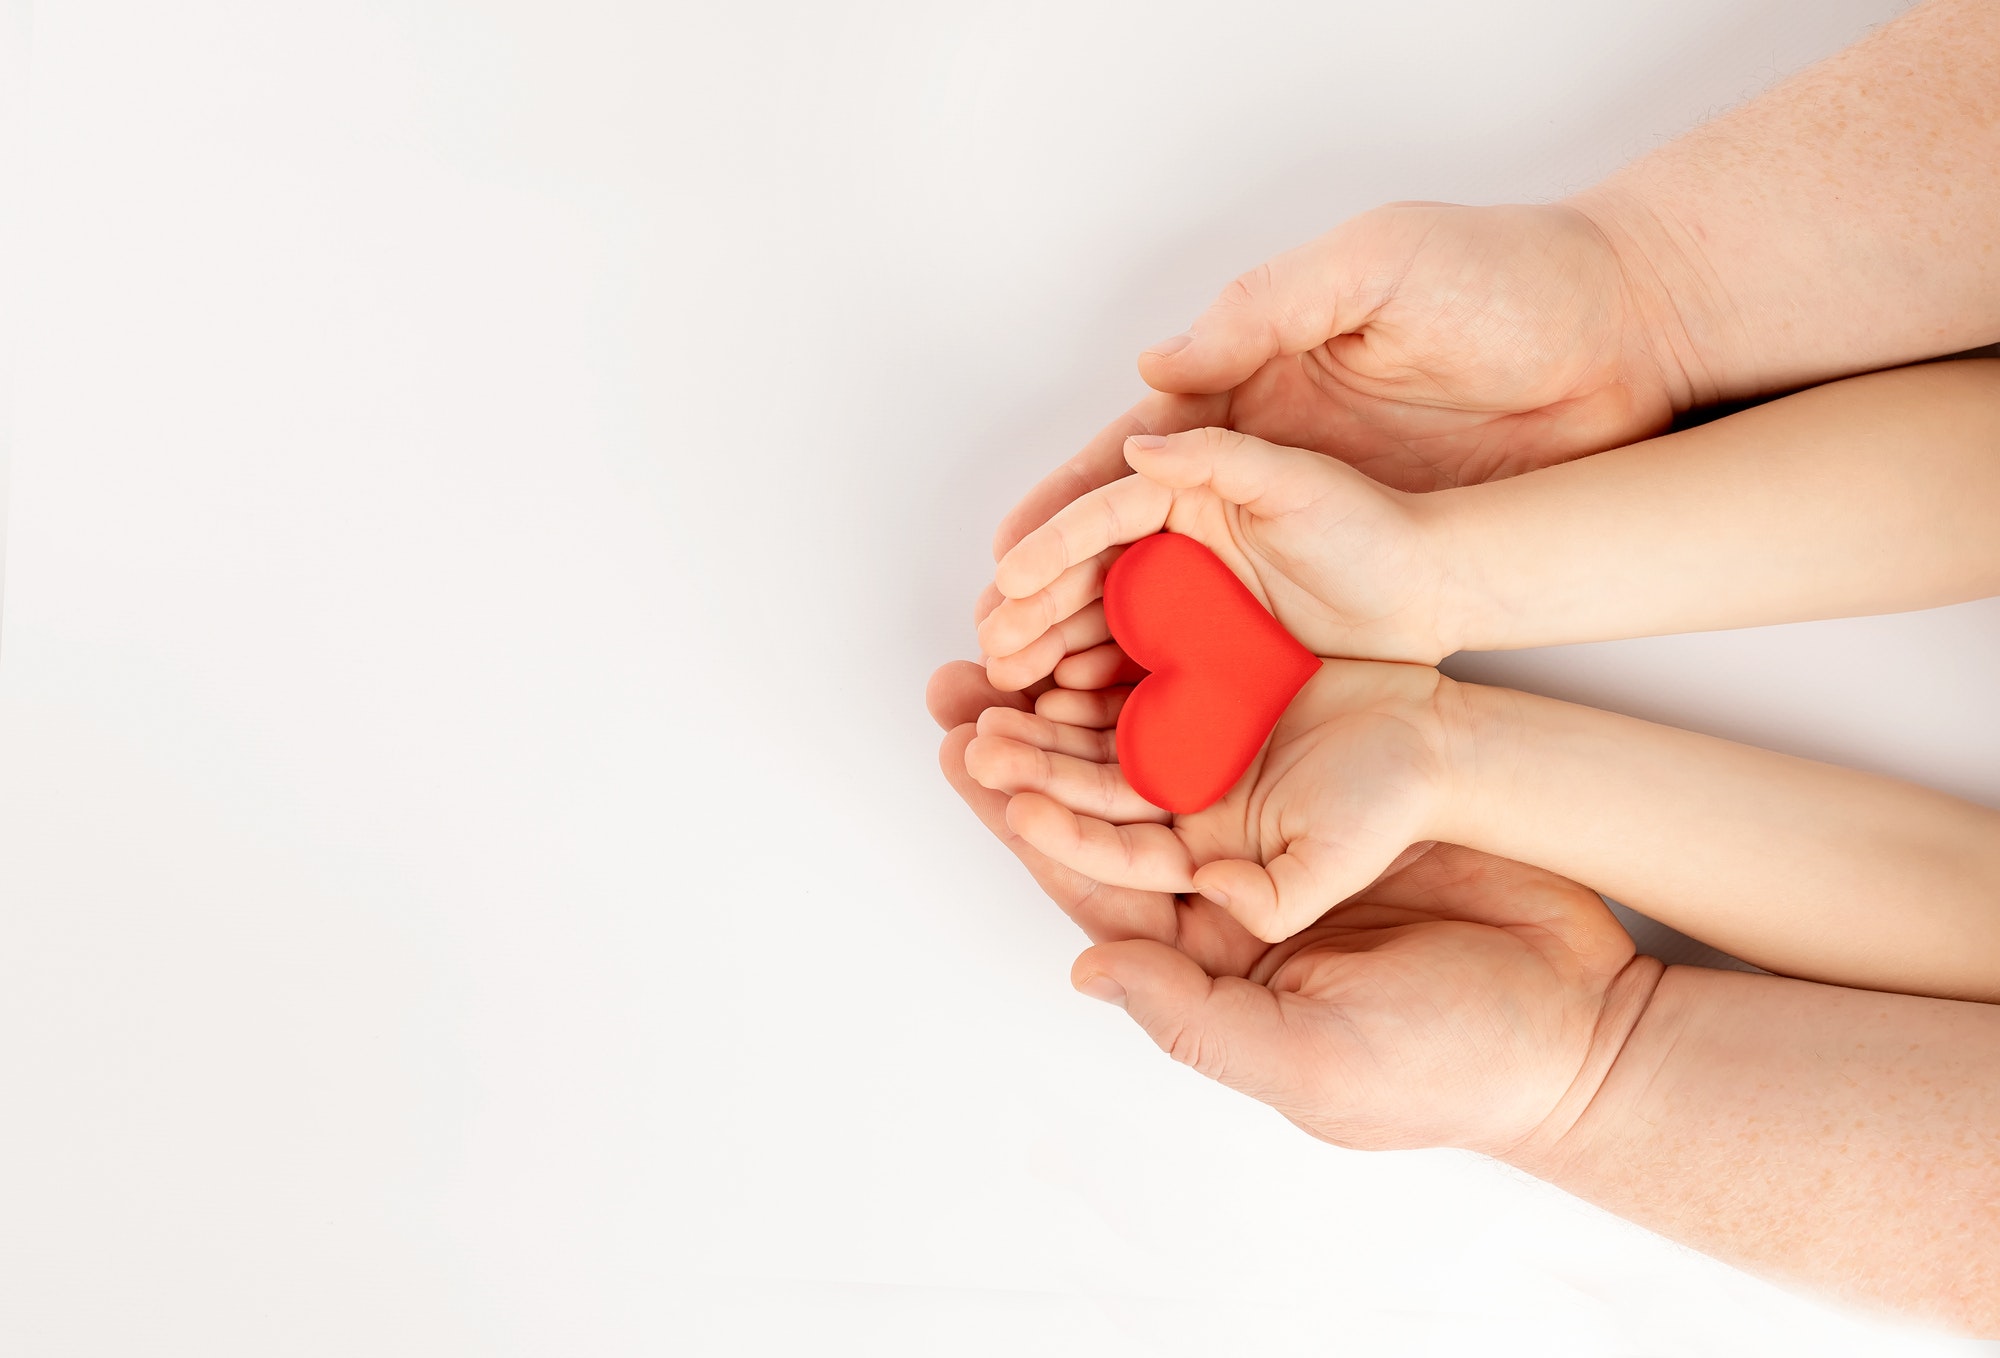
1452, 1003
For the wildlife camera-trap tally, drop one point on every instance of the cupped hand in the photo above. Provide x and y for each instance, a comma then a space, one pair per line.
1427, 344
1359, 773
1453, 1003
1349, 566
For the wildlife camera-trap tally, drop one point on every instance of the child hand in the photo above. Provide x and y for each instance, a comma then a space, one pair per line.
1359, 770
1349, 566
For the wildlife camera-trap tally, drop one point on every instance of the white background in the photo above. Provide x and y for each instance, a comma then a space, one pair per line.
491, 480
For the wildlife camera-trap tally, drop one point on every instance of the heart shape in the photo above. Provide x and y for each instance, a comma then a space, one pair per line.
1222, 671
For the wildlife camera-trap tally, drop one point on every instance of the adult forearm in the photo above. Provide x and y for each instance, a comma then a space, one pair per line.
1843, 1139
1841, 222
1800, 867
1872, 495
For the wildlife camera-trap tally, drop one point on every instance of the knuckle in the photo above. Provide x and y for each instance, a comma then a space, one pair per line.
1189, 1045
1249, 289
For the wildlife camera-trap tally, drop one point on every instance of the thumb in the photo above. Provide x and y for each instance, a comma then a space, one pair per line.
1267, 479
1277, 899
1293, 303
1229, 1029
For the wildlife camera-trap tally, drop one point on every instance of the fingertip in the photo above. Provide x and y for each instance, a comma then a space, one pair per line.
978, 756
959, 690
951, 750
1098, 986
1097, 668
1244, 889
1091, 709
1045, 823
1167, 369
1012, 576
989, 599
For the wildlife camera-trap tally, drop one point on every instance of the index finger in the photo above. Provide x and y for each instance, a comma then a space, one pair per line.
1102, 460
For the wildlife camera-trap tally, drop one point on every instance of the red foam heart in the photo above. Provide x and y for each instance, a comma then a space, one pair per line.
1223, 671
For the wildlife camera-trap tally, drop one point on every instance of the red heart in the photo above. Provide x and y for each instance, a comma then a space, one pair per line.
1223, 671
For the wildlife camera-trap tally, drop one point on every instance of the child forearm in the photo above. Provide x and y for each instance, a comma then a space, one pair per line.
1873, 495
1799, 867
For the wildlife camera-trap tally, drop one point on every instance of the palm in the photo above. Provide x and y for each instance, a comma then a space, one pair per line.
1347, 579
1342, 788
1474, 343
1449, 1004
1508, 343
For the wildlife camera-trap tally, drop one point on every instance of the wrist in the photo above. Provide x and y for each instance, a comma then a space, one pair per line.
1581, 1128
1470, 608
1478, 747
1677, 313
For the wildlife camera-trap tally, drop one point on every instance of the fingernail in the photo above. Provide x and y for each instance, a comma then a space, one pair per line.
1147, 441
1172, 346
1214, 893
1101, 987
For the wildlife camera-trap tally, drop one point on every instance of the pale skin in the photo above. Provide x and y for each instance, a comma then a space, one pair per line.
1874, 493
1784, 862
1837, 224
1842, 1139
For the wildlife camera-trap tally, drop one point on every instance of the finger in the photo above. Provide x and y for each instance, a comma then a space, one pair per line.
1098, 708
1293, 303
1265, 478
959, 691
1083, 786
1099, 667
1231, 1030
1078, 632
1149, 857
1111, 516
1102, 460
989, 599
1102, 912
1078, 742
1287, 894
1017, 622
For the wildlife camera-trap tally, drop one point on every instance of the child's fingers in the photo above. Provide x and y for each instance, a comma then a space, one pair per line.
989, 599
1084, 786
1098, 708
1099, 667
1149, 857
1078, 632
1017, 622
1078, 742
1121, 512
1265, 478
1287, 894
1103, 459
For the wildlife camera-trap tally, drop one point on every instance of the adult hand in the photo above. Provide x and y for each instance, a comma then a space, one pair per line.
1453, 1003
1427, 344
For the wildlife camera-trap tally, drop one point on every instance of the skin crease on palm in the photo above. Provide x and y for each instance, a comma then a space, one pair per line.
1840, 223
1350, 779
1472, 343
1507, 966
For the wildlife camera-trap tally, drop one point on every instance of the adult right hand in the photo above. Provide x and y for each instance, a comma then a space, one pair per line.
1427, 344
